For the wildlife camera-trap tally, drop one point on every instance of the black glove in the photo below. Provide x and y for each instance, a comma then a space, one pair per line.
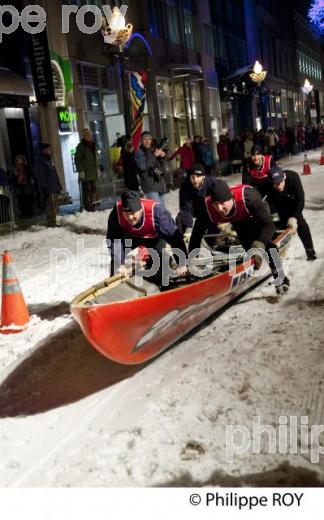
257, 258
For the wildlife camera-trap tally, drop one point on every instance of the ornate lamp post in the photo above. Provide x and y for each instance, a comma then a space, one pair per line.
307, 89
258, 76
116, 34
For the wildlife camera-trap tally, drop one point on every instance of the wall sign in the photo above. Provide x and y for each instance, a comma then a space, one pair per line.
67, 119
41, 67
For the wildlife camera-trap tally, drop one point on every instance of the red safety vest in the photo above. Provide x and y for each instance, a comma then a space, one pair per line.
147, 229
240, 212
258, 176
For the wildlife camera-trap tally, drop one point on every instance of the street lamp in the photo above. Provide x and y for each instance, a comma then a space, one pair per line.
116, 33
307, 89
258, 76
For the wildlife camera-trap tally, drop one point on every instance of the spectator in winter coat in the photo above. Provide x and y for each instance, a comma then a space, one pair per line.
223, 156
150, 168
291, 140
196, 146
129, 166
186, 154
207, 156
48, 182
288, 197
300, 137
87, 166
247, 147
282, 143
4, 198
236, 154
24, 188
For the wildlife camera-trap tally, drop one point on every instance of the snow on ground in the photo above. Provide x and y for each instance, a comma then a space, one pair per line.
70, 417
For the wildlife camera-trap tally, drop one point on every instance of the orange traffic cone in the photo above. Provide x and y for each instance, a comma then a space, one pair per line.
322, 157
14, 312
306, 169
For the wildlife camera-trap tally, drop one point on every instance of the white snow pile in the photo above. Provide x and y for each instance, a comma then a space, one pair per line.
70, 417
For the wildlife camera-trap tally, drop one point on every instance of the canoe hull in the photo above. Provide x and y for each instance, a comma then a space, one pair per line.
133, 332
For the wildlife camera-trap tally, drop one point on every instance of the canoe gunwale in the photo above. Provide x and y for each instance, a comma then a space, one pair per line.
108, 283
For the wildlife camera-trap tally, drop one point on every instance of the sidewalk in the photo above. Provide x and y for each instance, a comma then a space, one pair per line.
295, 162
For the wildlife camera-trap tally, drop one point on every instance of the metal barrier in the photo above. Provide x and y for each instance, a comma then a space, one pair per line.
7, 219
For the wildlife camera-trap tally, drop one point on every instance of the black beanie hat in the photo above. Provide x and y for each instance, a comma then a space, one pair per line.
256, 149
198, 169
220, 191
131, 201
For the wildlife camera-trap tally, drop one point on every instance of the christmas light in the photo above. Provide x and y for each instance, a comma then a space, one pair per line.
316, 15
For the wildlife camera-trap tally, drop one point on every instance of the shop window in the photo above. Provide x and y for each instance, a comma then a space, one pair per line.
173, 24
115, 122
154, 19
189, 29
209, 40
97, 130
93, 101
110, 104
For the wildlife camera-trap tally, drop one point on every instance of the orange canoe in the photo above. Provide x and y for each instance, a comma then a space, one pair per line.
131, 324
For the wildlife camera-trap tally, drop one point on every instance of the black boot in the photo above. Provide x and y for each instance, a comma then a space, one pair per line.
284, 286
311, 255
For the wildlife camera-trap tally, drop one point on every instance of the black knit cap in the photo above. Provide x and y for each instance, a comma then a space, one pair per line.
198, 169
220, 191
256, 149
131, 201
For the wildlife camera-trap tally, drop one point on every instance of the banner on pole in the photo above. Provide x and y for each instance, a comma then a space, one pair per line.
138, 95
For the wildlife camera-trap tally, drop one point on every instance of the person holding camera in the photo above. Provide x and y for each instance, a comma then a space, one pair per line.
150, 166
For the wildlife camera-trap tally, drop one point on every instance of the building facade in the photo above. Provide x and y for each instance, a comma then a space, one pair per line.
279, 36
198, 55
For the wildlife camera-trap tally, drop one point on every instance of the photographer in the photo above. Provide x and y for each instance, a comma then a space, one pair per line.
150, 166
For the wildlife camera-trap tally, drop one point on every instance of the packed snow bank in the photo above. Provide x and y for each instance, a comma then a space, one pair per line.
70, 417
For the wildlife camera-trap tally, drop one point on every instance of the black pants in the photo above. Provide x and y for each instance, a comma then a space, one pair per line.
4, 209
89, 195
303, 230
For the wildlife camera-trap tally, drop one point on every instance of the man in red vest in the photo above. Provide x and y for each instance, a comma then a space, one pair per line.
250, 216
258, 167
138, 222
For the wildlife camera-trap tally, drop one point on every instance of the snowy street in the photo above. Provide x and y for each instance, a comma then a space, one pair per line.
70, 417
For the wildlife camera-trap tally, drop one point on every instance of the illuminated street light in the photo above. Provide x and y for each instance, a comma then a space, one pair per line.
258, 75
307, 87
116, 33
114, 28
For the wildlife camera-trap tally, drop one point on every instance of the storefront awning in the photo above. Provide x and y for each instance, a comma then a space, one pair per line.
272, 82
184, 69
239, 73
13, 84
